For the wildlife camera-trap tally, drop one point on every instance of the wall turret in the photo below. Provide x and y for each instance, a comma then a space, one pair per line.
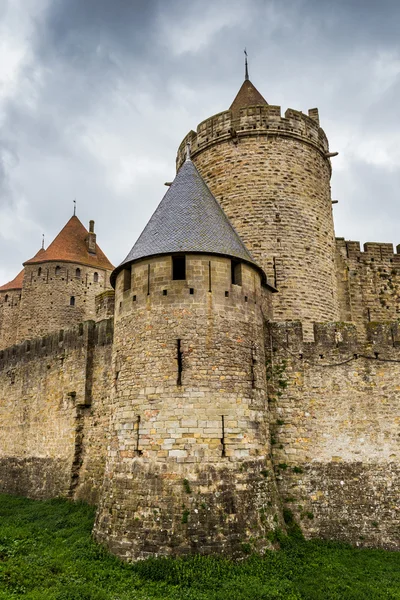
271, 175
10, 300
188, 468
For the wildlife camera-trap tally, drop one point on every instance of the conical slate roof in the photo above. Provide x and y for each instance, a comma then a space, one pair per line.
188, 219
70, 246
248, 95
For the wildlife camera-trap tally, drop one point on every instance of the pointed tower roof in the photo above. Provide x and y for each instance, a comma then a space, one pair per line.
188, 219
248, 95
14, 284
70, 245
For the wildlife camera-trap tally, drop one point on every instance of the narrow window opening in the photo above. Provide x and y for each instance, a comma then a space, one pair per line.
191, 291
72, 301
223, 452
58, 270
246, 299
137, 426
179, 267
209, 275
95, 277
179, 360
368, 314
127, 279
78, 273
148, 280
134, 298
39, 271
253, 372
226, 294
275, 278
6, 298
236, 272
165, 292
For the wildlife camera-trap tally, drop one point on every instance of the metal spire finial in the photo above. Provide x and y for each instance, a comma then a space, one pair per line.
188, 151
246, 68
42, 241
75, 207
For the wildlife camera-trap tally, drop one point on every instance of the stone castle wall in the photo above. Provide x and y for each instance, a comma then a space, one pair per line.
57, 296
10, 302
54, 406
335, 429
271, 175
368, 282
189, 451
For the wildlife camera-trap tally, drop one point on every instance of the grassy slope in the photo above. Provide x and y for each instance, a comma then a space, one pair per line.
46, 553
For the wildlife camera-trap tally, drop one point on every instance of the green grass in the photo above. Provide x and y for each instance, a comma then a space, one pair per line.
46, 553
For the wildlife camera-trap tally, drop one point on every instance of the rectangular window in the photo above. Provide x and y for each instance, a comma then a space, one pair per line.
127, 279
179, 267
236, 272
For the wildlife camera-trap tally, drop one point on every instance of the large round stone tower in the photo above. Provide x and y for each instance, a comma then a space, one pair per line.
271, 174
188, 468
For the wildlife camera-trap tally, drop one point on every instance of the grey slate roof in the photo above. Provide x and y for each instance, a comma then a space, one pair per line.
188, 219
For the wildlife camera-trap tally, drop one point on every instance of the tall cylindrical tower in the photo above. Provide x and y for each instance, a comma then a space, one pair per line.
188, 468
271, 174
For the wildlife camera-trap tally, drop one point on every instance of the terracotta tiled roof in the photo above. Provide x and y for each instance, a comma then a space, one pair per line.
71, 246
15, 284
248, 95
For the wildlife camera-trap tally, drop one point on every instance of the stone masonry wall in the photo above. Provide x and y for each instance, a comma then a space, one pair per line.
271, 175
368, 282
53, 393
335, 408
188, 468
46, 297
10, 302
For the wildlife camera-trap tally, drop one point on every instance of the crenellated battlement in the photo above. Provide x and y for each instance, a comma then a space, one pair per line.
372, 251
335, 339
58, 343
255, 120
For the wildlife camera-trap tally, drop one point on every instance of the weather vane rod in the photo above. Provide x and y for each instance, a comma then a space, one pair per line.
74, 207
246, 68
42, 241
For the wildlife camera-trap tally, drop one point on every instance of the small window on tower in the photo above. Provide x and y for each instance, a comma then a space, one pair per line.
6, 298
127, 279
72, 301
179, 267
39, 271
78, 273
96, 277
236, 272
58, 270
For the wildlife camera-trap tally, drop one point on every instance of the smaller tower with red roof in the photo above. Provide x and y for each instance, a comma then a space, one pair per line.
57, 287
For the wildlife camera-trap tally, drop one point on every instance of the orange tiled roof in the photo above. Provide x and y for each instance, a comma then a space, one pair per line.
248, 95
70, 246
15, 284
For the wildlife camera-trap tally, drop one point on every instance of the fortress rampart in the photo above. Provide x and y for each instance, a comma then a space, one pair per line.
335, 429
54, 413
368, 282
280, 204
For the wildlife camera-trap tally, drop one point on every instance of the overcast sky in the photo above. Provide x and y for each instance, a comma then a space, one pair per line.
96, 95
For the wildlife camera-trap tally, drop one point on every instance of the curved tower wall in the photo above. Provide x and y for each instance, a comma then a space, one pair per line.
10, 301
188, 468
46, 304
271, 175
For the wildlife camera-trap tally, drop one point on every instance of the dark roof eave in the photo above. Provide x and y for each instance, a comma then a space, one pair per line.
123, 265
65, 260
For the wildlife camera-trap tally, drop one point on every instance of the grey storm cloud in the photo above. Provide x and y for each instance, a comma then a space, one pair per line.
96, 95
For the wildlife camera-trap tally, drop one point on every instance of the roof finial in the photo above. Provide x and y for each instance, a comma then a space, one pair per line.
246, 68
188, 151
74, 207
42, 241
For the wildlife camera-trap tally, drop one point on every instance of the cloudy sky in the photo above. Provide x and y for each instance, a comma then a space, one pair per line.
96, 95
